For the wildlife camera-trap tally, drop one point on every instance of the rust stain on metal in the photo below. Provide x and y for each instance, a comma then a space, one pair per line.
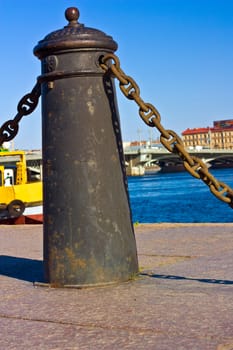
56, 263
75, 262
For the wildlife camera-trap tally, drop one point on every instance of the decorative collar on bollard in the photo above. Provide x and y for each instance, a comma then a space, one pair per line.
74, 36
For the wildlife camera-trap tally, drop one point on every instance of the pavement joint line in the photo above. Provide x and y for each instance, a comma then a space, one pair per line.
85, 325
134, 330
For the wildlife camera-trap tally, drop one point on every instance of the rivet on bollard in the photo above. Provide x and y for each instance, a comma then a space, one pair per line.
88, 233
50, 84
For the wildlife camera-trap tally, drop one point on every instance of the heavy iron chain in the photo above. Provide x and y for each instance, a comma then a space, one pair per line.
26, 105
171, 141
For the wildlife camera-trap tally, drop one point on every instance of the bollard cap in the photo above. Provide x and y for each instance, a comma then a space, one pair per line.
74, 36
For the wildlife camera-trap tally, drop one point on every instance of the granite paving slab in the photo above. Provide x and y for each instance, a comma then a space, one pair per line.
182, 299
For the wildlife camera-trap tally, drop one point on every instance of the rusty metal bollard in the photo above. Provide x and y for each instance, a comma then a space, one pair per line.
88, 232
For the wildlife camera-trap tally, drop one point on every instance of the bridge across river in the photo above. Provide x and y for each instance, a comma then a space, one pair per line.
152, 159
148, 159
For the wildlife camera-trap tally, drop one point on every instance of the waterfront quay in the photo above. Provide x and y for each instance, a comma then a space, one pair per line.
182, 299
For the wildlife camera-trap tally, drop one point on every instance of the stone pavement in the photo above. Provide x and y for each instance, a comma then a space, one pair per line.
183, 298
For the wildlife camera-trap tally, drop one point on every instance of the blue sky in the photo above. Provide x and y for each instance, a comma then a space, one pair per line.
180, 52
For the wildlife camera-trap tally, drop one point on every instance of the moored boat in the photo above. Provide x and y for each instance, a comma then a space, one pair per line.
20, 190
152, 169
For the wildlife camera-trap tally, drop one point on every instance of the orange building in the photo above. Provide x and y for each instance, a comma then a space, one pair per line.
220, 136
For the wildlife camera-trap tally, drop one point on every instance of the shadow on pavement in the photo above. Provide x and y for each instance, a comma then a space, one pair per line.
24, 269
171, 277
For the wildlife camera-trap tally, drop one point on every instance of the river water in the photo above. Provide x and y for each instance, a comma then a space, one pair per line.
178, 197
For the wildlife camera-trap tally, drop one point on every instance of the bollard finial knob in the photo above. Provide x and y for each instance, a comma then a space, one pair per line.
74, 35
72, 15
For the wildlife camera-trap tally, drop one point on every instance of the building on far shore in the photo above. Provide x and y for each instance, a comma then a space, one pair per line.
220, 136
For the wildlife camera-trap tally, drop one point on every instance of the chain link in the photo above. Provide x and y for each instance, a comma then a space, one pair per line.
26, 105
170, 140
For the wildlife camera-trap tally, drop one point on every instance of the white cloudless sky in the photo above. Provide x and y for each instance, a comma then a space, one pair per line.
180, 52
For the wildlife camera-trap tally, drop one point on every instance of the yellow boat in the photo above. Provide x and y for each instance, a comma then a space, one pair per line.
18, 188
